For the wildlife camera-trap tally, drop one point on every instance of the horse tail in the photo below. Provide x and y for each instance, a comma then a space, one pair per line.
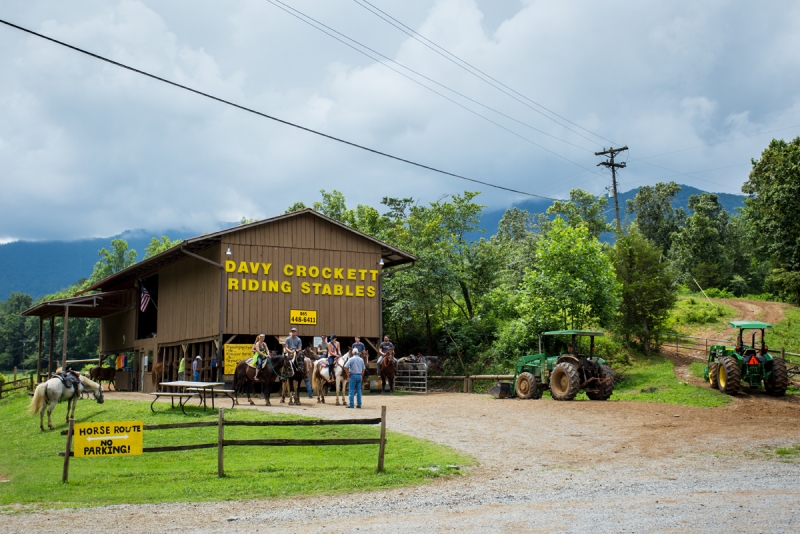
39, 398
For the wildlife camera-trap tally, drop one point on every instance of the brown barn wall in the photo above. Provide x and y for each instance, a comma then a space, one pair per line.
113, 327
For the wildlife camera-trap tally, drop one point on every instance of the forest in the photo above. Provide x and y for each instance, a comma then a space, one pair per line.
482, 301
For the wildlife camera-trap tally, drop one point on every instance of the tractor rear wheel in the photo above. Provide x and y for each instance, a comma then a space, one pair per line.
564, 382
527, 386
713, 374
606, 387
729, 376
777, 382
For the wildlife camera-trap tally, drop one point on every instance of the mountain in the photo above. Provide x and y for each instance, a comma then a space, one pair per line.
490, 219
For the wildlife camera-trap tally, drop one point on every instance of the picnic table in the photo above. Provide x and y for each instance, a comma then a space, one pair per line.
200, 389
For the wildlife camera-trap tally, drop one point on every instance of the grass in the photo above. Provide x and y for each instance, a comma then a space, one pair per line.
653, 380
29, 460
787, 332
691, 310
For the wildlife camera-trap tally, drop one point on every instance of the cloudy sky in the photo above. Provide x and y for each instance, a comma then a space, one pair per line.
88, 149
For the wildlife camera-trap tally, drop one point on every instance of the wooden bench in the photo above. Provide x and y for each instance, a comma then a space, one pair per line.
171, 395
203, 392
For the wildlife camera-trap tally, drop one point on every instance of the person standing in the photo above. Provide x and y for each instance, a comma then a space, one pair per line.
355, 366
383, 349
322, 348
307, 377
214, 367
334, 351
182, 369
196, 364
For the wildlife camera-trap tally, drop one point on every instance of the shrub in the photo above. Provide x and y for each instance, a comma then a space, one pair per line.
715, 293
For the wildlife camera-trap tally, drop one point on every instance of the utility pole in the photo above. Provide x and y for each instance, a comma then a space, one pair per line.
610, 153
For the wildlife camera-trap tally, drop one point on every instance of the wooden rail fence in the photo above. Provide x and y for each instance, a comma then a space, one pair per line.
469, 380
221, 442
22, 383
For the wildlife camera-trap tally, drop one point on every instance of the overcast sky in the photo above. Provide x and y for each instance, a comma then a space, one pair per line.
88, 149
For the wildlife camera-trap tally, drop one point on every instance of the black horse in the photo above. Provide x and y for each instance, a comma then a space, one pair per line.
270, 373
294, 372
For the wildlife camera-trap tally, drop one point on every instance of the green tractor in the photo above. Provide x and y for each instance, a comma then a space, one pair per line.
728, 367
565, 374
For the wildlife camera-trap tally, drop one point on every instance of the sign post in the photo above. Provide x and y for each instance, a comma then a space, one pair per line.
65, 473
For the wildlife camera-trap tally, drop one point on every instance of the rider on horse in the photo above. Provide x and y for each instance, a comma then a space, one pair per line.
259, 351
334, 351
383, 350
291, 346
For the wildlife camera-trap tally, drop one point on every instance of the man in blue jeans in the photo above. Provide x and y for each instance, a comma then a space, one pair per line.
198, 361
355, 366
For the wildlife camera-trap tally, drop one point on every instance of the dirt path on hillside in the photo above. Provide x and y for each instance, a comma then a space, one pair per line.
746, 310
544, 466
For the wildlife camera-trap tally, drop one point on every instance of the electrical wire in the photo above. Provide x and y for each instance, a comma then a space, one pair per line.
264, 115
474, 70
302, 17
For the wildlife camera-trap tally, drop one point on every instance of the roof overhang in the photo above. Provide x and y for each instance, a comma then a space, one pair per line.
88, 306
749, 324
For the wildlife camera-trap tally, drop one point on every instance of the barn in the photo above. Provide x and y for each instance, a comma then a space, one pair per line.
222, 289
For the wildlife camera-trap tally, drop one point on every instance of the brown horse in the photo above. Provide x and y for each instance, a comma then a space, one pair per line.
297, 368
270, 372
388, 371
109, 374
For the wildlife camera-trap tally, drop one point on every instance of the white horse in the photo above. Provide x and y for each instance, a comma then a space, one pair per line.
320, 376
53, 391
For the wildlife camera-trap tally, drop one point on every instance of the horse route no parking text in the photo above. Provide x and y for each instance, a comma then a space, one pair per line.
123, 438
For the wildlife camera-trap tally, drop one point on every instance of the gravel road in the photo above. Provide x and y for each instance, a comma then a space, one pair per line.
544, 466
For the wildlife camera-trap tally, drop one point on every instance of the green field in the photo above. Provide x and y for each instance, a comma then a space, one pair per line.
31, 468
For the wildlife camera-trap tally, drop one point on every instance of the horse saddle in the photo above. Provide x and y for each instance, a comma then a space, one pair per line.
69, 379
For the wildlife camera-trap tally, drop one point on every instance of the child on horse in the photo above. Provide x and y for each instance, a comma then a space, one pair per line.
334, 351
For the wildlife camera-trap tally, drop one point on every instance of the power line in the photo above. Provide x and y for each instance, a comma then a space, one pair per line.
249, 110
720, 142
302, 16
474, 70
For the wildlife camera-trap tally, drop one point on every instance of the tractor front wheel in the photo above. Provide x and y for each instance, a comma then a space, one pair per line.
527, 386
606, 387
778, 380
564, 382
729, 376
713, 375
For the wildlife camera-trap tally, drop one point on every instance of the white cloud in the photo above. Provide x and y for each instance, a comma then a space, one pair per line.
90, 149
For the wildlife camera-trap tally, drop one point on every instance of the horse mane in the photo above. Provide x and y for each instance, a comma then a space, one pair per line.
88, 382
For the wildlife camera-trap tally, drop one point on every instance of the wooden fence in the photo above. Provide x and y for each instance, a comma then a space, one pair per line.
221, 442
469, 380
22, 383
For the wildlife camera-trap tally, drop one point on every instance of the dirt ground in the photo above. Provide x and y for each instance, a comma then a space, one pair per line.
544, 466
753, 310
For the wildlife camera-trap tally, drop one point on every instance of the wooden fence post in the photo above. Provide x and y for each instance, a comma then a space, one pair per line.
15, 373
32, 381
65, 474
382, 446
220, 445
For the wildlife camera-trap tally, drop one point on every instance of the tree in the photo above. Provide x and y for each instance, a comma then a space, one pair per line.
583, 208
297, 206
656, 218
573, 281
648, 289
114, 261
157, 246
773, 207
698, 249
333, 204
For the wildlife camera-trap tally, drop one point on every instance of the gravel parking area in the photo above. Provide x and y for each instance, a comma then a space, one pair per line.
544, 466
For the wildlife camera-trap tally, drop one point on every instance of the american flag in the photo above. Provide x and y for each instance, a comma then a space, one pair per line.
145, 298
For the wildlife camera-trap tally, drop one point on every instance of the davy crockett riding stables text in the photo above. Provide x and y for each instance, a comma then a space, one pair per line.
249, 276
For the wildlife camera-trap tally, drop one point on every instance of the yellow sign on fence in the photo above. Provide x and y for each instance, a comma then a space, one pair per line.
302, 317
234, 354
120, 438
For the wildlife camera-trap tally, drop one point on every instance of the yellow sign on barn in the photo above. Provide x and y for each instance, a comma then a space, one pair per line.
120, 438
234, 354
302, 317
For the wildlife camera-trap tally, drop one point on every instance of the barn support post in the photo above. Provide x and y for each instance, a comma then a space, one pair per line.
64, 346
50, 349
39, 357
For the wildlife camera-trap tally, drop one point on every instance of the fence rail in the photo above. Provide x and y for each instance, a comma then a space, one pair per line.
221, 443
696, 347
469, 380
13, 385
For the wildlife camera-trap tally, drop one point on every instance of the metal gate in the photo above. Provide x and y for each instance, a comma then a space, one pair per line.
411, 377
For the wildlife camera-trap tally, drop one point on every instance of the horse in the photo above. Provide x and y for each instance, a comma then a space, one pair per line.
297, 364
320, 377
99, 373
269, 373
388, 371
53, 391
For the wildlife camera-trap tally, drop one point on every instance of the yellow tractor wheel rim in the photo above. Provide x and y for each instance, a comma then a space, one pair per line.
722, 378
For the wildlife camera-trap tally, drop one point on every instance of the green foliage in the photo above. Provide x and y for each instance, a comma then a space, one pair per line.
655, 216
697, 311
113, 261
297, 206
585, 209
715, 293
332, 204
697, 369
573, 282
773, 207
192, 475
157, 246
653, 380
786, 333
698, 248
246, 220
648, 291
